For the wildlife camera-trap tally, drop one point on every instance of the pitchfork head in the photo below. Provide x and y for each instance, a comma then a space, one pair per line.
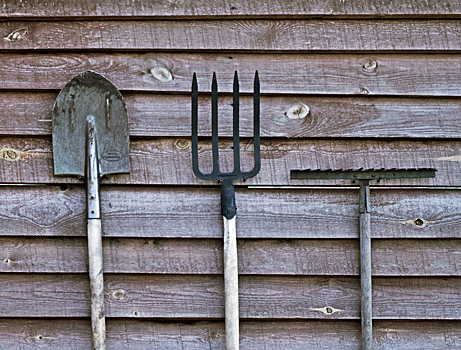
237, 173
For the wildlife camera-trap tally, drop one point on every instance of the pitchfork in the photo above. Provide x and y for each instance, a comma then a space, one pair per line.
228, 208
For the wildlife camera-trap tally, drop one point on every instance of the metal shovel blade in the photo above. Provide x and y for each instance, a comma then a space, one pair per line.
86, 94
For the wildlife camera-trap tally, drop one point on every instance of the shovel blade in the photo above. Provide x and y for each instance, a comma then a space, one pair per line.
86, 94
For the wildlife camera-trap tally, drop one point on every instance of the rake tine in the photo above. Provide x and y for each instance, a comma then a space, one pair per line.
214, 124
236, 124
195, 126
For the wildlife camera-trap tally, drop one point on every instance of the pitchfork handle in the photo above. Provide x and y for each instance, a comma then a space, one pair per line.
231, 303
231, 285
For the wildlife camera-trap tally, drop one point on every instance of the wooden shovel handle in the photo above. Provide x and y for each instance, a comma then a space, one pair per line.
98, 320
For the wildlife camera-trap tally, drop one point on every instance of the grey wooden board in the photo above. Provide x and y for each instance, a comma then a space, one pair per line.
29, 113
166, 161
204, 8
396, 257
67, 334
254, 35
336, 74
130, 334
202, 296
155, 212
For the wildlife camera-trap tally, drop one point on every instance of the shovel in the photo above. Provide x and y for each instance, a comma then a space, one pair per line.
90, 138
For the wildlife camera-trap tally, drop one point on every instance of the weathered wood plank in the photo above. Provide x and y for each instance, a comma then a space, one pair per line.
260, 257
254, 35
204, 8
130, 334
168, 161
337, 74
154, 212
25, 113
260, 297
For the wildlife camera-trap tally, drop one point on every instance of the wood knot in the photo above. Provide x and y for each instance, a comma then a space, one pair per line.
161, 74
17, 35
370, 66
13, 155
119, 294
299, 111
327, 310
421, 223
182, 144
136, 313
10, 154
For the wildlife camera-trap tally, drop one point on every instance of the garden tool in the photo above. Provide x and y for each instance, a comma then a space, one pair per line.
228, 208
363, 177
90, 139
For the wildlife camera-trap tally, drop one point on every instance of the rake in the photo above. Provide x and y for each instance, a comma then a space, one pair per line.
228, 208
363, 177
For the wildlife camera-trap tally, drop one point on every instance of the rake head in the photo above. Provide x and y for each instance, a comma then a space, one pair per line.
236, 173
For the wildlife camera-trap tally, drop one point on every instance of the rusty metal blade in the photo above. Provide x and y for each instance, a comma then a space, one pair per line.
86, 94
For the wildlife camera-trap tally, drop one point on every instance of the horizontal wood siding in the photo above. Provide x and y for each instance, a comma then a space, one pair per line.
193, 212
314, 74
372, 84
29, 114
201, 297
391, 257
167, 161
133, 334
253, 35
238, 8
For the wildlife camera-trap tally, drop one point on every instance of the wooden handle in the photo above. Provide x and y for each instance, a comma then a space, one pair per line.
365, 278
98, 316
231, 284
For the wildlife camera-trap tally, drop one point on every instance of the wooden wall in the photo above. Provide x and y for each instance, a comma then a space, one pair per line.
381, 81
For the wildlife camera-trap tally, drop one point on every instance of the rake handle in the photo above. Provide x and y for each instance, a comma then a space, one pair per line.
365, 265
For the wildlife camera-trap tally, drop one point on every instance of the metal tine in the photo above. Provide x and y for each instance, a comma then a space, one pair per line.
214, 125
236, 131
195, 127
236, 173
256, 133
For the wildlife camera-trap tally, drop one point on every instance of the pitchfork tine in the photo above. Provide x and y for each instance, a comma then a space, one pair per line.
236, 124
256, 137
214, 124
195, 126
256, 121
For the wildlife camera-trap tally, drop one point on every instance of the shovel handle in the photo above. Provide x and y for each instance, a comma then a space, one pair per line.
98, 316
98, 321
231, 284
